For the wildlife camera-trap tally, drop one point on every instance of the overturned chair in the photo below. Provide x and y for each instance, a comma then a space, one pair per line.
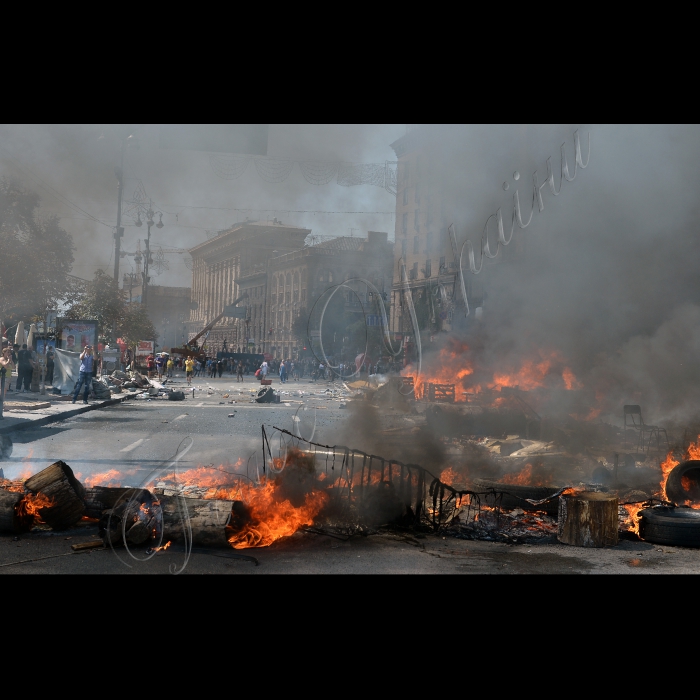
646, 432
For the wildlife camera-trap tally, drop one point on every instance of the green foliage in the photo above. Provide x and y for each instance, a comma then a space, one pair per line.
100, 301
36, 256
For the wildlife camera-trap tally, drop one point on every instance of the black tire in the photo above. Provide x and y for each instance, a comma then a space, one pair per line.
176, 396
674, 486
673, 526
265, 395
514, 496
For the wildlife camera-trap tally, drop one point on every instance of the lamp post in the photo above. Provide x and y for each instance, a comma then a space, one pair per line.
147, 259
125, 140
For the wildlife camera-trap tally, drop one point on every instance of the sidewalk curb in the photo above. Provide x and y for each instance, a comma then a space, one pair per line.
45, 420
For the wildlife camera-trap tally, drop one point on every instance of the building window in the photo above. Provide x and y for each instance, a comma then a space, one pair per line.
416, 194
443, 268
404, 226
416, 243
413, 272
429, 212
403, 248
405, 195
416, 219
303, 295
428, 267
429, 243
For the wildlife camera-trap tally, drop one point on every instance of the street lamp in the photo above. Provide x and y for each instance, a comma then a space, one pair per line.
149, 222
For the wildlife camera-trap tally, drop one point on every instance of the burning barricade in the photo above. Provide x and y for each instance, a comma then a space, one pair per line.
339, 489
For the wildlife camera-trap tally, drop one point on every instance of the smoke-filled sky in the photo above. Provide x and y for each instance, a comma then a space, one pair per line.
77, 162
606, 274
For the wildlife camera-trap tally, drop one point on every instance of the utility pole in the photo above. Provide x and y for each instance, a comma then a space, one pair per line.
120, 231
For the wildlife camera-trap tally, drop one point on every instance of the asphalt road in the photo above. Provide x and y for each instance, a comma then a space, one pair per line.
140, 440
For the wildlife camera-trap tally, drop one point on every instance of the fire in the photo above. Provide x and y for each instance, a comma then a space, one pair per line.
269, 511
449, 476
533, 373
526, 477
632, 510
31, 504
570, 381
103, 478
452, 367
14, 486
667, 467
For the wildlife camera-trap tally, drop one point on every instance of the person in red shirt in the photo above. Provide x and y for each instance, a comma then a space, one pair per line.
150, 365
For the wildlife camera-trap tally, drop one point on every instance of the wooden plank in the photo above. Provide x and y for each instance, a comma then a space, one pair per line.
87, 545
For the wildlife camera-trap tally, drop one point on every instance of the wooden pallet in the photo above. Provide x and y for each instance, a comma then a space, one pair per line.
441, 393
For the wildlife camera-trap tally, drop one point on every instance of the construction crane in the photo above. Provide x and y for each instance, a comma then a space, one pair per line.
191, 349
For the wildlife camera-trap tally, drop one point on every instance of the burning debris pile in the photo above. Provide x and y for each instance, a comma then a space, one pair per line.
339, 489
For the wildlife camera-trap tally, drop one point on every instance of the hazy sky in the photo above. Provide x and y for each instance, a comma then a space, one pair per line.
77, 162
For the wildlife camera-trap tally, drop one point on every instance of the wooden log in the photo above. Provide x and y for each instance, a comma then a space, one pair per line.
58, 483
588, 519
135, 518
11, 519
100, 498
208, 519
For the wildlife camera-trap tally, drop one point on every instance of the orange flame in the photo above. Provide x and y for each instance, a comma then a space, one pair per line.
271, 515
449, 476
453, 367
632, 510
667, 466
526, 477
31, 504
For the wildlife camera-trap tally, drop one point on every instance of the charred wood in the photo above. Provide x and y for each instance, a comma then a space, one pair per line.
58, 483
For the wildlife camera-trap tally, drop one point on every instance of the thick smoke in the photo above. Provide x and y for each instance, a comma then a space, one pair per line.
78, 161
605, 275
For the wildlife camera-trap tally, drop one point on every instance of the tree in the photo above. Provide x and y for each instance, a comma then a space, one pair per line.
100, 301
36, 256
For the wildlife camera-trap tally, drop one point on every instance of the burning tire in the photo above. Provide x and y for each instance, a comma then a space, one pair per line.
684, 482
514, 496
672, 526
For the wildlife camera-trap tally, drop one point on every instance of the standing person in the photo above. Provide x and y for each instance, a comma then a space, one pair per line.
239, 372
87, 364
197, 367
264, 368
150, 365
283, 372
6, 366
25, 367
220, 367
50, 360
189, 367
127, 359
170, 366
13, 354
160, 365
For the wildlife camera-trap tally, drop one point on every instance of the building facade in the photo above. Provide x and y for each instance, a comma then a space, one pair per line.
297, 280
226, 267
281, 278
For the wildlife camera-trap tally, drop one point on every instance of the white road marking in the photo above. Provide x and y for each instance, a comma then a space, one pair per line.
200, 404
184, 415
133, 446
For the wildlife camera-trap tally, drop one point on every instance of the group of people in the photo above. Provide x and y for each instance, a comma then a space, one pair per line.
25, 361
